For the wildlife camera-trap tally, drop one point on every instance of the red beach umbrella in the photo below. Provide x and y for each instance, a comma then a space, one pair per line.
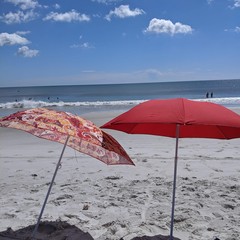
70, 130
178, 118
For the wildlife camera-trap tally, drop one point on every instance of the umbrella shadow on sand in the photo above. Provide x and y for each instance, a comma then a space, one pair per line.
54, 230
59, 230
157, 237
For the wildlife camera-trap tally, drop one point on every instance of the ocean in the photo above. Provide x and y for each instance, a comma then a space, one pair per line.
81, 99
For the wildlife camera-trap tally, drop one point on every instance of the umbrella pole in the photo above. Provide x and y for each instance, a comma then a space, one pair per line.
174, 181
49, 189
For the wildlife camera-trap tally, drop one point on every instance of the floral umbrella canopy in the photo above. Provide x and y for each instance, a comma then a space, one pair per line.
70, 130
81, 134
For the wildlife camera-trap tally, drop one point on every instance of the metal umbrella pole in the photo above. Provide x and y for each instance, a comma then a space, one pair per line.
49, 189
174, 181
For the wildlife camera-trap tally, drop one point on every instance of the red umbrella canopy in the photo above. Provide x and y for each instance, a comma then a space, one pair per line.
84, 136
196, 119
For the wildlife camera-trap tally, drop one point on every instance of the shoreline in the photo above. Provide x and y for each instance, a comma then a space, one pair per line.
123, 201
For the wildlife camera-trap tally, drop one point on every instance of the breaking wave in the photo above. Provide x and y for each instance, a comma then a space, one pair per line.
36, 104
231, 101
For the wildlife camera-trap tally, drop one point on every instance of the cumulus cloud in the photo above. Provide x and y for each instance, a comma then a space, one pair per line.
159, 26
25, 4
67, 17
18, 17
236, 3
123, 12
12, 39
26, 52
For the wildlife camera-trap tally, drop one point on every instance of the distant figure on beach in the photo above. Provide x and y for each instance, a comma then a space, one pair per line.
207, 94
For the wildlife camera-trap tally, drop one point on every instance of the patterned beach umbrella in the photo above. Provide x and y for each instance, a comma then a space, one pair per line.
178, 118
70, 130
80, 134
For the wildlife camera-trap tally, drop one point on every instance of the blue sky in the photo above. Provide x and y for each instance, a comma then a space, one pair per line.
68, 42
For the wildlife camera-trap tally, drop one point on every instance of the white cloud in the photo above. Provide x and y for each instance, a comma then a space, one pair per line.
12, 39
25, 4
18, 17
26, 52
56, 6
23, 32
85, 45
237, 29
236, 3
67, 17
124, 11
159, 26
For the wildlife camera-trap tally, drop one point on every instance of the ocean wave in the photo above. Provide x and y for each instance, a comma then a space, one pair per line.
36, 104
233, 101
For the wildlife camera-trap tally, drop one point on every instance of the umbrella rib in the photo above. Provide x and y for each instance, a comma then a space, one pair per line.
219, 128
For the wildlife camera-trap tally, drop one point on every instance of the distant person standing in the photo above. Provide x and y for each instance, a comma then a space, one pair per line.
207, 94
211, 94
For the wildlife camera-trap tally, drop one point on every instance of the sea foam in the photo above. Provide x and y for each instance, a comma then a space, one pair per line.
232, 101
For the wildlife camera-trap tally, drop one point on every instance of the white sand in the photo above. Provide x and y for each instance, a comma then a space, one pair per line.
124, 201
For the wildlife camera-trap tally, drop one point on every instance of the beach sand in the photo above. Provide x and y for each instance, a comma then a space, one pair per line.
123, 202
